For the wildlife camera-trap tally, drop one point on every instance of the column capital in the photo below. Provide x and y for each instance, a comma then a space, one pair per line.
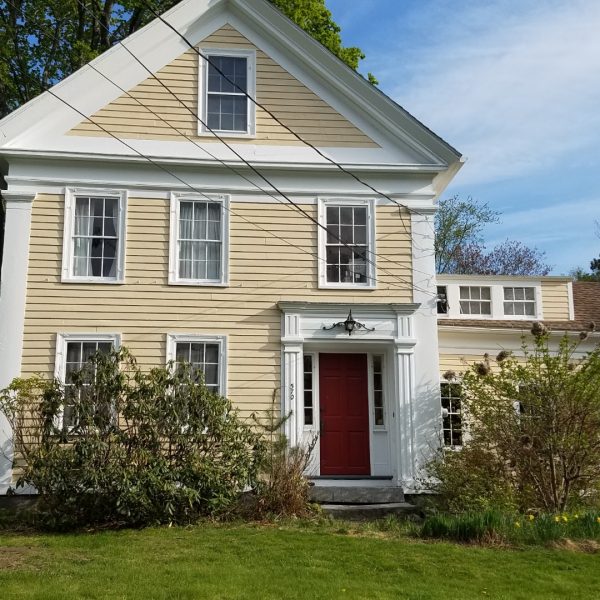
18, 197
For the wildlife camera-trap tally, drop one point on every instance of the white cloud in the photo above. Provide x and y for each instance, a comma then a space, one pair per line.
514, 86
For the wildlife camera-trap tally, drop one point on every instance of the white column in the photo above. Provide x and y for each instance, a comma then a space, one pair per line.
13, 290
291, 400
425, 370
405, 433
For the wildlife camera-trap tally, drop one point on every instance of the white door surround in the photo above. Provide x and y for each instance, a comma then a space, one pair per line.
392, 336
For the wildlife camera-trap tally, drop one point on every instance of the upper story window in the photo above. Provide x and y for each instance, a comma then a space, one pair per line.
199, 240
94, 236
475, 300
347, 248
519, 301
227, 78
442, 300
204, 353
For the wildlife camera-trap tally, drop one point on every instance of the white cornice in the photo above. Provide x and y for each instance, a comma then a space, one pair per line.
287, 307
18, 197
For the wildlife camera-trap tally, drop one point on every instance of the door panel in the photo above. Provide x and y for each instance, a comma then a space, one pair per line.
344, 412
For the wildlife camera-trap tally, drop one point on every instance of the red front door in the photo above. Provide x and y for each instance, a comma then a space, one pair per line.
344, 406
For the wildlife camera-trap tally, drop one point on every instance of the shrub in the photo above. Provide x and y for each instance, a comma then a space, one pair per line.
138, 448
533, 438
283, 489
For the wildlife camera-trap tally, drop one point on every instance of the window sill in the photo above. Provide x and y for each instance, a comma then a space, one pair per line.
226, 134
95, 280
346, 286
199, 283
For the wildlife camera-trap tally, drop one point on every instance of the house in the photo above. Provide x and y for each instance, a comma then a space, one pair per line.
223, 190
481, 315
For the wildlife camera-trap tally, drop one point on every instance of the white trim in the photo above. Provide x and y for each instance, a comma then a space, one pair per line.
571, 301
371, 266
69, 225
202, 338
250, 56
176, 198
13, 296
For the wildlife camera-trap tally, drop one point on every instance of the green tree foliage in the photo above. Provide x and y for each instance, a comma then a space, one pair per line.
42, 42
138, 447
460, 248
533, 426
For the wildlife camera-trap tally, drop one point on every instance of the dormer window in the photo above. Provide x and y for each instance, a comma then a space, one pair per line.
519, 301
475, 300
227, 78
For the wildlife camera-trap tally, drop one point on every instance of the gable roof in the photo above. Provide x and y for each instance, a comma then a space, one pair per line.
37, 125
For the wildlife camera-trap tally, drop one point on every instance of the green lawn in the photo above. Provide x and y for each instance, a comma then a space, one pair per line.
243, 561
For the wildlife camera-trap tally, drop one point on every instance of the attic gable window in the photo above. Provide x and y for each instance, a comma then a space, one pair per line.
227, 79
94, 236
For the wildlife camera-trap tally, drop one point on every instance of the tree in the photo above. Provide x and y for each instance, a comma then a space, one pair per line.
533, 428
460, 248
594, 275
41, 43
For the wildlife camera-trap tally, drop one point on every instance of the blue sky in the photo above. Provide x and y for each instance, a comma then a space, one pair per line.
515, 86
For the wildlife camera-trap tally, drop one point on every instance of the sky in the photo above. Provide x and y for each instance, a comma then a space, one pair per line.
514, 85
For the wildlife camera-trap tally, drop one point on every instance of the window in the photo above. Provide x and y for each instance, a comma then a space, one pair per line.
72, 353
94, 236
199, 240
205, 354
442, 300
347, 247
226, 82
309, 391
451, 414
475, 300
378, 402
519, 301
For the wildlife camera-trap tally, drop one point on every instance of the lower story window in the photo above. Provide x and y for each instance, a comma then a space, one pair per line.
309, 390
451, 398
378, 404
204, 354
73, 354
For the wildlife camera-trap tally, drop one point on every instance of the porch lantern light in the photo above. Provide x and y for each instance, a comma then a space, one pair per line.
350, 325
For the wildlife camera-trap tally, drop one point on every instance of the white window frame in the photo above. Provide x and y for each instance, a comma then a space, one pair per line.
202, 338
315, 392
462, 416
371, 205
69, 228
535, 301
60, 359
384, 394
176, 199
250, 56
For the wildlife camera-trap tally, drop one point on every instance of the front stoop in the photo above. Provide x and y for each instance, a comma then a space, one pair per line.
361, 503
368, 512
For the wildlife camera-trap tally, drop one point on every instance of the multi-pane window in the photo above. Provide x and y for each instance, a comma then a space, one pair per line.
442, 300
203, 357
475, 300
77, 354
451, 398
519, 301
200, 240
309, 391
95, 237
226, 93
347, 244
378, 398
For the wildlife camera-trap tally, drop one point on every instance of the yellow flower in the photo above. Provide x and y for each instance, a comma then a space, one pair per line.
531, 517
598, 520
557, 519
565, 518
576, 516
517, 524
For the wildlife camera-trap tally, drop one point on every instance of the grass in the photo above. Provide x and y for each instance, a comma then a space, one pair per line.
288, 561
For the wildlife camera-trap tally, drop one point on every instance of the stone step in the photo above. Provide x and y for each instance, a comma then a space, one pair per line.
356, 494
368, 512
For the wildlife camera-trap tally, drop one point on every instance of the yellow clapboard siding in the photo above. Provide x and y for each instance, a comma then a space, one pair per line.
297, 107
263, 271
555, 300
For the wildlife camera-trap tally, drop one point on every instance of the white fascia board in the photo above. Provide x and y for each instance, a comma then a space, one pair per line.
391, 116
496, 279
155, 45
